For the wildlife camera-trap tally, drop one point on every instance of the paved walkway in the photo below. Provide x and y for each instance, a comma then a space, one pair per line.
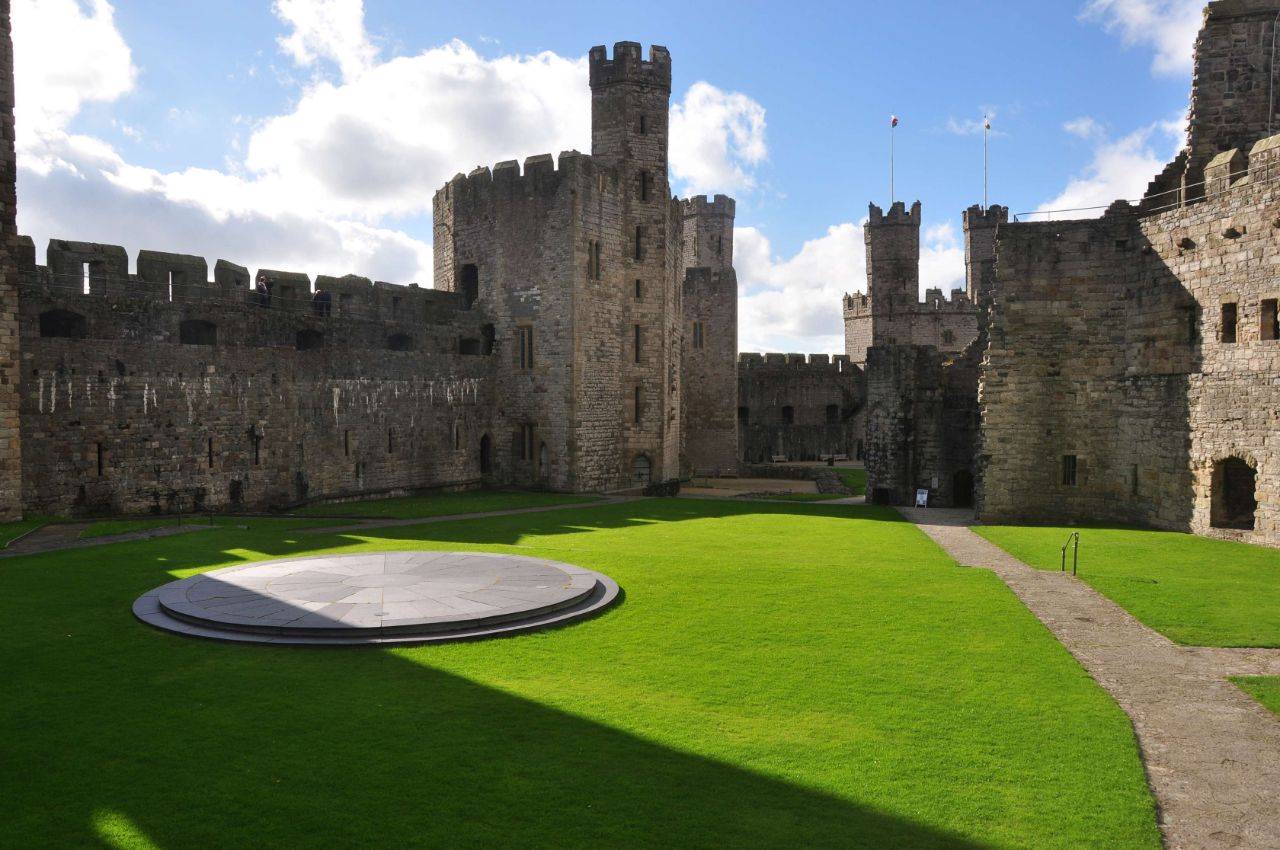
368, 524
57, 536
1212, 753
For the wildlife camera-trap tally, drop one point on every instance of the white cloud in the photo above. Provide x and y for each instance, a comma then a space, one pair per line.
975, 126
717, 141
327, 29
1120, 169
1168, 26
317, 189
64, 57
795, 304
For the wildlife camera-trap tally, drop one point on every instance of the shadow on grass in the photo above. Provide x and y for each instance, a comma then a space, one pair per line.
197, 744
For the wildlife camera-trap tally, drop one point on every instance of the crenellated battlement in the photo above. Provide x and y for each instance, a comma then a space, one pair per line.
720, 205
628, 65
979, 216
92, 270
542, 174
814, 362
897, 214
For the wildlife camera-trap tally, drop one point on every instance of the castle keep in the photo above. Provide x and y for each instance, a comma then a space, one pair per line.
573, 302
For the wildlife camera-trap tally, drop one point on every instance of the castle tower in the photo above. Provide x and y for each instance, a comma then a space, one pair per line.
883, 316
708, 232
1235, 89
980, 227
10, 441
630, 103
710, 336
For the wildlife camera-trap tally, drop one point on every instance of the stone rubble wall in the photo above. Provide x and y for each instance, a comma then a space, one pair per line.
809, 385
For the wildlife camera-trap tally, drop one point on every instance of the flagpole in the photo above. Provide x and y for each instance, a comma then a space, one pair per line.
986, 142
893, 126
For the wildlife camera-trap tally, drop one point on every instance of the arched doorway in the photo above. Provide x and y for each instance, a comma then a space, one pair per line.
486, 455
962, 489
1234, 498
641, 470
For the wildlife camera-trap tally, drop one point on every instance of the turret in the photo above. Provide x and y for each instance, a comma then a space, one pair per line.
980, 227
893, 257
708, 232
630, 99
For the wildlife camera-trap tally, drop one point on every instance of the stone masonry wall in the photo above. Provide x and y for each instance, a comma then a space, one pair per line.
10, 380
140, 397
799, 407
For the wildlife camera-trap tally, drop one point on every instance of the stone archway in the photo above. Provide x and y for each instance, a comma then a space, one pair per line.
962, 489
1234, 500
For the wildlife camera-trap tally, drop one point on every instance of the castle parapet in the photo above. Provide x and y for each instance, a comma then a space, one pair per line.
897, 214
629, 65
979, 216
721, 205
540, 175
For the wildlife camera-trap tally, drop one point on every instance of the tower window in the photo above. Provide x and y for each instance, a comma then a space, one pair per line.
1069, 469
642, 127
644, 185
639, 242
833, 414
636, 405
525, 439
1270, 321
788, 415
593, 259
524, 347
699, 338
1229, 316
636, 343
469, 285
639, 289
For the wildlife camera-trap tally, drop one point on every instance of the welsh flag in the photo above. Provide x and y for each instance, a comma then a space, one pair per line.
893, 121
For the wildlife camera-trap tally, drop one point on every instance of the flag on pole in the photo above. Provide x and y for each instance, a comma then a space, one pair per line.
893, 121
986, 123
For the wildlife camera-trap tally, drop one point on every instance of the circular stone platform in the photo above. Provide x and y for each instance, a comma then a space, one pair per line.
377, 598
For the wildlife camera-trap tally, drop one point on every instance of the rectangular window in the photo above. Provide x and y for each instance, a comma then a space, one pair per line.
1228, 323
1135, 479
639, 289
391, 441
457, 436
1270, 320
257, 449
346, 444
100, 460
525, 438
1069, 470
636, 405
636, 343
699, 340
211, 452
86, 278
644, 185
395, 306
593, 259
639, 242
524, 347
642, 128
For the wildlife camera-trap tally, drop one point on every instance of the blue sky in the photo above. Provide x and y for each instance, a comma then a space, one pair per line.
310, 134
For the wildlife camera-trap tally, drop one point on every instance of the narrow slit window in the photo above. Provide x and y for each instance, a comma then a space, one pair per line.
636, 404
391, 441
210, 453
1270, 319
170, 286
101, 465
642, 128
644, 185
524, 347
639, 242
1069, 469
593, 259
257, 450
699, 335
639, 289
86, 278
636, 345
346, 444
1229, 316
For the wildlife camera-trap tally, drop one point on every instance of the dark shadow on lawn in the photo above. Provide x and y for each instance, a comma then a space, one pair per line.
199, 745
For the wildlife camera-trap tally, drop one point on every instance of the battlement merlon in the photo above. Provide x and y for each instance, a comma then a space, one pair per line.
629, 66
992, 216
1223, 9
897, 215
537, 171
721, 205
809, 362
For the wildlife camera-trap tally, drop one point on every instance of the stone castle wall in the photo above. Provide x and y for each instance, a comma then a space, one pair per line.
710, 380
10, 369
163, 391
801, 407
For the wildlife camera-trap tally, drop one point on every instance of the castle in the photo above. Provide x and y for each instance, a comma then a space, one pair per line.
1124, 368
581, 336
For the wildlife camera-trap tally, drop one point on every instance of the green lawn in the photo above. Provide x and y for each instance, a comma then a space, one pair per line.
444, 504
1194, 590
108, 527
854, 479
11, 531
1265, 689
813, 676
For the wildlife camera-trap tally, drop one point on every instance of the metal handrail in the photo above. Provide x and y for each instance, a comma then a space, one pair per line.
1073, 538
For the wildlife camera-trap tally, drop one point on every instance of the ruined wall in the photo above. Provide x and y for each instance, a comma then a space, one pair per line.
10, 370
154, 392
801, 407
891, 312
922, 422
709, 364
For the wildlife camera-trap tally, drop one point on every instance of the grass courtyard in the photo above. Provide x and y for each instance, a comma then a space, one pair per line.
776, 675
1194, 590
443, 504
